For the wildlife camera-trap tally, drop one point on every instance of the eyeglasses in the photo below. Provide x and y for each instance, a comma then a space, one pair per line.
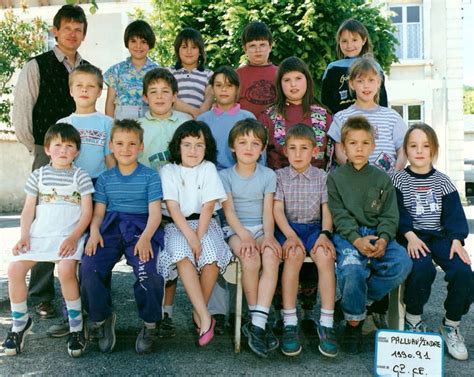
200, 147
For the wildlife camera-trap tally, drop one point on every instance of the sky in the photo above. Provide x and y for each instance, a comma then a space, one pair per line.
468, 32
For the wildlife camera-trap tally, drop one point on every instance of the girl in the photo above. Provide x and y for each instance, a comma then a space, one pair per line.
194, 241
226, 112
124, 95
433, 227
353, 41
52, 231
194, 95
365, 80
295, 103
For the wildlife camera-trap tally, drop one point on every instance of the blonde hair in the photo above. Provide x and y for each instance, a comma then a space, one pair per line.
364, 66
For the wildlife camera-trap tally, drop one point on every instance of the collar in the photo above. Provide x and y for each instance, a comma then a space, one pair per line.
179, 67
148, 61
232, 111
63, 58
173, 117
420, 176
349, 164
308, 173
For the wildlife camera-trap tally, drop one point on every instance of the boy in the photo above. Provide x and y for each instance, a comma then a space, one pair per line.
304, 227
257, 77
85, 85
126, 218
249, 213
362, 200
160, 89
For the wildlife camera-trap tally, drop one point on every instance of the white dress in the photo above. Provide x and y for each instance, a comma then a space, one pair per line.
191, 188
56, 217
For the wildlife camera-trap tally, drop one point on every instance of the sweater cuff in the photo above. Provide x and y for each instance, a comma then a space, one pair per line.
385, 236
353, 236
458, 237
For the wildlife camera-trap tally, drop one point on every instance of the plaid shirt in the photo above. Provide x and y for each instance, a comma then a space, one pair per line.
302, 193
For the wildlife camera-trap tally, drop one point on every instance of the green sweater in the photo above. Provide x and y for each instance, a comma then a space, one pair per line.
364, 197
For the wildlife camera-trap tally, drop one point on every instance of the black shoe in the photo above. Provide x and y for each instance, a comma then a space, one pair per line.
272, 341
256, 339
45, 310
166, 328
59, 330
219, 329
290, 342
15, 342
308, 327
352, 338
76, 343
338, 313
278, 327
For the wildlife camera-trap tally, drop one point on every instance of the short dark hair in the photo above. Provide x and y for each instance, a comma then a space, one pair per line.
430, 134
159, 74
301, 131
356, 123
244, 127
256, 31
70, 13
139, 29
229, 74
189, 34
65, 131
355, 27
192, 128
127, 125
89, 69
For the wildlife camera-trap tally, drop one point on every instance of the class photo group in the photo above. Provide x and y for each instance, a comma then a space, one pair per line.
190, 170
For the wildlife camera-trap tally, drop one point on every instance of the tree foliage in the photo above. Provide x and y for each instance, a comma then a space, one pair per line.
19, 41
468, 100
305, 28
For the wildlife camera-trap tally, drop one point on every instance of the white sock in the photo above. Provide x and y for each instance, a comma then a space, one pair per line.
260, 316
74, 313
150, 325
251, 310
412, 318
289, 317
454, 324
168, 309
326, 318
20, 316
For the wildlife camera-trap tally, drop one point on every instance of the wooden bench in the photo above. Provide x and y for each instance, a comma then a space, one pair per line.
233, 275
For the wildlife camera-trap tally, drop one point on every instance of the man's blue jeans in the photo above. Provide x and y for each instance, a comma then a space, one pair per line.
362, 279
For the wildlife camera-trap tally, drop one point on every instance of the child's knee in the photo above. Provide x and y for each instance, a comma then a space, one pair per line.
295, 259
270, 259
67, 271
17, 270
251, 263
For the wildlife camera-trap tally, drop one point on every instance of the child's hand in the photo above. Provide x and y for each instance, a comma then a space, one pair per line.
248, 246
272, 243
195, 244
68, 247
94, 240
364, 245
143, 249
380, 246
21, 246
292, 246
327, 246
415, 246
456, 248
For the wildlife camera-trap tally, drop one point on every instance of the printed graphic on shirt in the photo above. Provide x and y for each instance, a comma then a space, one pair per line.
158, 160
261, 92
92, 137
425, 201
385, 163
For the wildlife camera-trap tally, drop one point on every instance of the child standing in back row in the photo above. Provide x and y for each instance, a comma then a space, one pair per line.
257, 77
353, 42
389, 127
433, 227
57, 211
124, 80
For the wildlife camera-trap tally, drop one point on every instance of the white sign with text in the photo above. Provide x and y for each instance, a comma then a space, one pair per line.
403, 353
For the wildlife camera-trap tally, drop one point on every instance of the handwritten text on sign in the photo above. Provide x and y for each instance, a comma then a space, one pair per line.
401, 353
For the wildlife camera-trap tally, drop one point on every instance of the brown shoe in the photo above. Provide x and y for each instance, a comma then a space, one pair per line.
45, 310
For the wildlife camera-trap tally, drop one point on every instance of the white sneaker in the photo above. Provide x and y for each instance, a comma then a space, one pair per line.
454, 341
419, 327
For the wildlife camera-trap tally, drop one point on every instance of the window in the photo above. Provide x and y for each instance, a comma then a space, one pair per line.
410, 113
407, 21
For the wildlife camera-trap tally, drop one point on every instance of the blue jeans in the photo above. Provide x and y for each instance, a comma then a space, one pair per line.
361, 279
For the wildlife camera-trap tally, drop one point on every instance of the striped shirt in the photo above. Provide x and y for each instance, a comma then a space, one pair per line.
128, 193
389, 131
302, 193
59, 177
423, 197
191, 84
